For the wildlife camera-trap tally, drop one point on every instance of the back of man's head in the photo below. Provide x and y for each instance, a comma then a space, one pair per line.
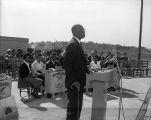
77, 29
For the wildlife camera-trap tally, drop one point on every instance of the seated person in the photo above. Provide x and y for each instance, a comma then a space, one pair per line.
109, 61
95, 65
38, 67
19, 59
61, 59
25, 75
87, 59
53, 62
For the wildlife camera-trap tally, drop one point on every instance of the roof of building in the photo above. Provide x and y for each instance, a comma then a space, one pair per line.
6, 38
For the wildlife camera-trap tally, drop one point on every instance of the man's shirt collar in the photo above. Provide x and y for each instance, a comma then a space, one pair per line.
26, 63
77, 39
27, 66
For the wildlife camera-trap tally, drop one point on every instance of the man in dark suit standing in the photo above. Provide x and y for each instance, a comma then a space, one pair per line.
75, 69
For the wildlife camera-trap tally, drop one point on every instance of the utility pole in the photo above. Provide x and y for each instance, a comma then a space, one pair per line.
54, 44
140, 31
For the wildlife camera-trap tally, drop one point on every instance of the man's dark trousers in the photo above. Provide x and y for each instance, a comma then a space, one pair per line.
73, 105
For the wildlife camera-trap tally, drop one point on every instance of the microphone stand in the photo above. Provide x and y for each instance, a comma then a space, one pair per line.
120, 75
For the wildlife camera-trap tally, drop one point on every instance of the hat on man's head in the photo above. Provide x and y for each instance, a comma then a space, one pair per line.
124, 53
19, 50
30, 49
26, 54
38, 55
8, 50
54, 54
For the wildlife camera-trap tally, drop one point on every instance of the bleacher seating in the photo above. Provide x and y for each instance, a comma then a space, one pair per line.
134, 68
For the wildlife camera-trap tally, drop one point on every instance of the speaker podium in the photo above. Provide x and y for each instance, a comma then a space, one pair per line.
100, 81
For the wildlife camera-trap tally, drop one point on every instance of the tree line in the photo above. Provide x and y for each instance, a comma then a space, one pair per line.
131, 51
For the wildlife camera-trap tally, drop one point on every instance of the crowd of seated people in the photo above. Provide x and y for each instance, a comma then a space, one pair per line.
32, 64
11, 61
52, 58
13, 57
98, 61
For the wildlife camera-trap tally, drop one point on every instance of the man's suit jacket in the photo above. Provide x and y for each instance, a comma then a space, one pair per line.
23, 70
75, 64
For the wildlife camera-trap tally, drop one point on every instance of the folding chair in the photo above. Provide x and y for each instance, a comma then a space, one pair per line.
24, 86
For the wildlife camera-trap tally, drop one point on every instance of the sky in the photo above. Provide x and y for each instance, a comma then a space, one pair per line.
105, 21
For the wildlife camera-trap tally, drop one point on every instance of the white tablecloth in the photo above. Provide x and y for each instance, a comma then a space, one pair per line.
55, 80
111, 77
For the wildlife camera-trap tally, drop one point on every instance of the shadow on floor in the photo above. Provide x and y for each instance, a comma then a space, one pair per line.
36, 103
126, 93
61, 101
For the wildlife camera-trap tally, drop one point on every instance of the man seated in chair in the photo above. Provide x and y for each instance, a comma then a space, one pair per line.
38, 68
53, 62
51, 65
25, 75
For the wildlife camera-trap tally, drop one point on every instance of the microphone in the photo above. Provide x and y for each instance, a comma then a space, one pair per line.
115, 53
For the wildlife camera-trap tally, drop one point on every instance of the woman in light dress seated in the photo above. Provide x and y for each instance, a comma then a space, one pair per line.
95, 64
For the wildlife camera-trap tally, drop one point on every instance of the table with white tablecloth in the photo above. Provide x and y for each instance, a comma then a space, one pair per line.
55, 80
111, 76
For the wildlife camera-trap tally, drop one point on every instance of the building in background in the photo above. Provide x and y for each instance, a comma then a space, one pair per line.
12, 43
